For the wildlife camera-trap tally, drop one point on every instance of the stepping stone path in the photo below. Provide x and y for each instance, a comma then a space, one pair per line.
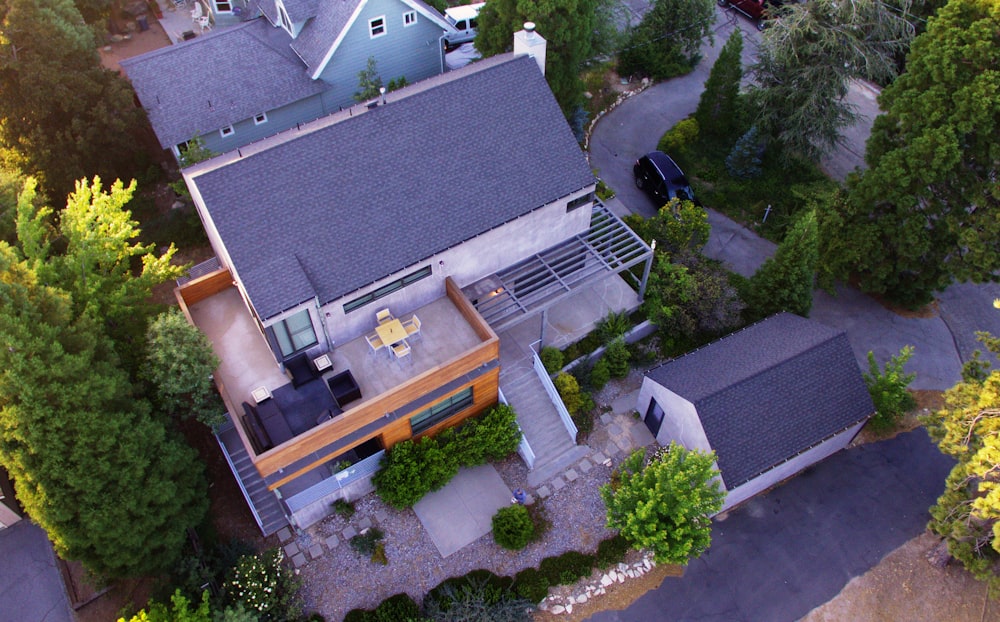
297, 547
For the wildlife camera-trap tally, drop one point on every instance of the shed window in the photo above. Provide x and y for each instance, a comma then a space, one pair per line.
260, 119
227, 131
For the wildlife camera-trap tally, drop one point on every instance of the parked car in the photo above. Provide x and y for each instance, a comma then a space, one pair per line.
756, 10
465, 21
659, 176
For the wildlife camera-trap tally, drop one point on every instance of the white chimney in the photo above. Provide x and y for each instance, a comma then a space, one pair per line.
529, 42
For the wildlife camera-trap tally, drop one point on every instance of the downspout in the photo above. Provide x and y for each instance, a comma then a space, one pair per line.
444, 33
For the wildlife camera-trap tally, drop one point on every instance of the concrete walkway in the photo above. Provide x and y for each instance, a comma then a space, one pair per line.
462, 511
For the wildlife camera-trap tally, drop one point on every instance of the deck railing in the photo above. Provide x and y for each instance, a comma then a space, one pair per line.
523, 448
331, 485
550, 388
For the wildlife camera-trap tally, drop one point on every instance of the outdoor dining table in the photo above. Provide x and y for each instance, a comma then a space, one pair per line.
392, 332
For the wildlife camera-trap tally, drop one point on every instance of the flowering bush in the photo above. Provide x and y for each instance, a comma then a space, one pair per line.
264, 585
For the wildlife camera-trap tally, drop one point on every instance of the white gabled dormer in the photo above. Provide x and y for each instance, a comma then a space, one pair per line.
285, 21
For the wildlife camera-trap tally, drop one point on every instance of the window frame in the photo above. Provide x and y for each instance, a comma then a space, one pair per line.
389, 288
227, 131
282, 326
442, 411
260, 119
372, 26
218, 3
580, 202
409, 18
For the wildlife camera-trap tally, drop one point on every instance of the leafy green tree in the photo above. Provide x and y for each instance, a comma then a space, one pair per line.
967, 514
690, 297
680, 227
570, 28
806, 60
925, 212
64, 116
369, 82
888, 388
179, 366
92, 252
719, 112
667, 504
109, 485
666, 42
785, 282
181, 611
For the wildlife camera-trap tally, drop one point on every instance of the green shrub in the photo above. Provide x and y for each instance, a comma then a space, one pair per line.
567, 568
744, 161
482, 600
442, 594
378, 555
888, 388
617, 355
366, 543
569, 391
512, 527
498, 433
396, 608
531, 585
600, 374
412, 469
552, 359
680, 137
612, 326
263, 584
343, 508
611, 551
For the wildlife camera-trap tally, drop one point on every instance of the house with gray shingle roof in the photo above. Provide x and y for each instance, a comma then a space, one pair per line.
291, 62
770, 400
319, 229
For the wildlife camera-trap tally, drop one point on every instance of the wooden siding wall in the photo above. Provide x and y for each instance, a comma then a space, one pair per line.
468, 311
203, 287
277, 458
278, 120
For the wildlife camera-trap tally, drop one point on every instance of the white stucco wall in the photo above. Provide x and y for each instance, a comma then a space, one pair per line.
680, 421
465, 263
789, 468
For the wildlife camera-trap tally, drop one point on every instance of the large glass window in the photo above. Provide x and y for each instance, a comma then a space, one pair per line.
385, 290
294, 333
442, 410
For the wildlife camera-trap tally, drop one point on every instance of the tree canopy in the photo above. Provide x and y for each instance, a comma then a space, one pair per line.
719, 109
925, 212
570, 27
967, 514
806, 60
666, 505
111, 487
785, 282
62, 116
667, 40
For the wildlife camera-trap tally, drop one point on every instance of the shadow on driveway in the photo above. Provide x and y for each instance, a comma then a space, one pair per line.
786, 552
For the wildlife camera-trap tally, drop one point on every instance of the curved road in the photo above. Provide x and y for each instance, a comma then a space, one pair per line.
941, 342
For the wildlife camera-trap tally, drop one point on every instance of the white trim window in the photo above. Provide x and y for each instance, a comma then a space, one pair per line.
223, 6
409, 18
227, 131
260, 119
376, 27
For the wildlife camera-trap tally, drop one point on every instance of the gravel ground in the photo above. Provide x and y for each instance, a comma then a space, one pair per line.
342, 579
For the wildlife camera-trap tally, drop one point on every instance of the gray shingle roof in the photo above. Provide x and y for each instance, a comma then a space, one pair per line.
769, 392
374, 193
218, 79
268, 8
301, 10
318, 36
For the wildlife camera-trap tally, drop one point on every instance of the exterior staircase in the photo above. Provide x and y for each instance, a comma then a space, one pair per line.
550, 441
263, 503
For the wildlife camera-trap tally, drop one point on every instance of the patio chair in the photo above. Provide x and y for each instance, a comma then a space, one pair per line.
374, 342
412, 326
383, 316
401, 350
204, 23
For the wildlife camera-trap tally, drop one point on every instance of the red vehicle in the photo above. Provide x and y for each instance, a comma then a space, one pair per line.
756, 10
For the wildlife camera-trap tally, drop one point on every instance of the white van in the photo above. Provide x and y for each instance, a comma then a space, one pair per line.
464, 20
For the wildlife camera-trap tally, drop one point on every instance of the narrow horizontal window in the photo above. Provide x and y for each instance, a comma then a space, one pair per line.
444, 409
388, 288
260, 118
227, 131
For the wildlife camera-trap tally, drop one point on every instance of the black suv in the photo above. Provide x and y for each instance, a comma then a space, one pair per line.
661, 178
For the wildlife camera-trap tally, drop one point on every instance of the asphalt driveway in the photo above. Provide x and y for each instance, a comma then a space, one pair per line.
790, 550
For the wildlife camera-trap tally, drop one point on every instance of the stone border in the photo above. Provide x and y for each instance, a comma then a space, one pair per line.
589, 589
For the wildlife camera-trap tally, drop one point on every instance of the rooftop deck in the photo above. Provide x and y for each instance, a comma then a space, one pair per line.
247, 363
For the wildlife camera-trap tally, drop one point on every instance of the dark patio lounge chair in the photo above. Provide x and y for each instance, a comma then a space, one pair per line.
344, 388
300, 370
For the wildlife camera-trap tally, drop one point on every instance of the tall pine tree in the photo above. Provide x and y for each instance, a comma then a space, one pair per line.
719, 110
785, 281
111, 487
927, 210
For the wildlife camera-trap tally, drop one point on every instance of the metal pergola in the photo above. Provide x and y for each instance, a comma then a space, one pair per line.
533, 285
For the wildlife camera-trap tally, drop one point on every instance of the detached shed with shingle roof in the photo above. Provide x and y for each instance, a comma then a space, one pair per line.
770, 400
